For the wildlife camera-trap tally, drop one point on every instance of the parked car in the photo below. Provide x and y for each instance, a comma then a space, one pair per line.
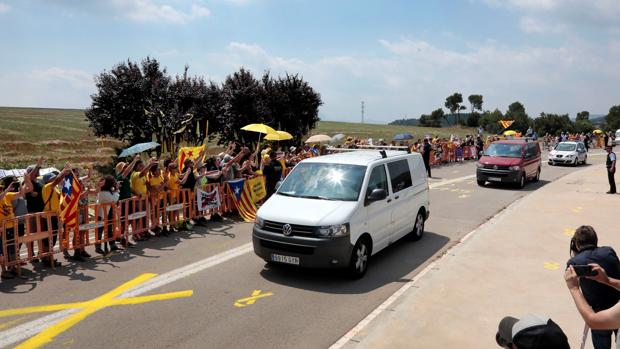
568, 153
617, 139
338, 210
510, 161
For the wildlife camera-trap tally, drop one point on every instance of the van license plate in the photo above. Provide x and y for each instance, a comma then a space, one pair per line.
494, 179
285, 259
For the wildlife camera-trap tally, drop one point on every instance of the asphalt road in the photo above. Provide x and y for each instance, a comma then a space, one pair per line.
295, 308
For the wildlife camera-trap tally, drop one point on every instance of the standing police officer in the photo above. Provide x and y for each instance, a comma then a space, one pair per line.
611, 169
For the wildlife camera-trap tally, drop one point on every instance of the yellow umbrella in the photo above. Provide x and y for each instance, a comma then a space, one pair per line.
510, 133
279, 136
260, 128
597, 131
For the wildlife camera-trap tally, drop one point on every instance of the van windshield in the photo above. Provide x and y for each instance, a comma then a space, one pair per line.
324, 181
504, 150
566, 147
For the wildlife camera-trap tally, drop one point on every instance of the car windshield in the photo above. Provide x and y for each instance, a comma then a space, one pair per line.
617, 134
323, 181
565, 147
504, 150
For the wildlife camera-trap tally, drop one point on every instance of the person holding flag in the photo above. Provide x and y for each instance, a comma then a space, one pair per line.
51, 203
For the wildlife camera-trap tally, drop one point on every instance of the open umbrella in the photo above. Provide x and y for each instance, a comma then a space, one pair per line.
597, 131
337, 137
138, 148
403, 136
279, 136
260, 128
319, 139
510, 133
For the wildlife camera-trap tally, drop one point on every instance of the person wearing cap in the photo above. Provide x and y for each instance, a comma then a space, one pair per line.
611, 169
51, 203
585, 250
530, 332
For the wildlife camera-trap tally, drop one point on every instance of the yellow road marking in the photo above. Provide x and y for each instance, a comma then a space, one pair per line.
256, 294
552, 265
577, 209
11, 323
88, 308
569, 232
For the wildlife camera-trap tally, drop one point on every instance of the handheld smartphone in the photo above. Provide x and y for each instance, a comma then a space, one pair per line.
584, 270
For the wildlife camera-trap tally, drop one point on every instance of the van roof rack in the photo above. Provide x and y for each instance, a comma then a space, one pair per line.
381, 148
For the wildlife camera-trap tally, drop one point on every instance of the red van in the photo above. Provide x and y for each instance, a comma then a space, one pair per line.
510, 161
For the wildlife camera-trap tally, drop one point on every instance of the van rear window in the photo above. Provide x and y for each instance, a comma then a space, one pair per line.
400, 176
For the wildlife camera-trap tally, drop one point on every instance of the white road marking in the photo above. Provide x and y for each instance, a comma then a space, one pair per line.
450, 181
29, 329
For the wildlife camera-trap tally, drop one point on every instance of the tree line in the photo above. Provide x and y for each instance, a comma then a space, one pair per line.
138, 102
546, 123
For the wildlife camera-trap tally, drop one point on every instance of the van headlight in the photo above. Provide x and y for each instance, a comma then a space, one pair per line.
514, 168
259, 222
334, 230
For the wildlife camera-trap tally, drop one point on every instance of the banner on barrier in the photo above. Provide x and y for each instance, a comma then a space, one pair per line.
207, 200
257, 188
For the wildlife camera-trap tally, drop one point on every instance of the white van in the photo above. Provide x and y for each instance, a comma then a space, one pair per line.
338, 210
617, 139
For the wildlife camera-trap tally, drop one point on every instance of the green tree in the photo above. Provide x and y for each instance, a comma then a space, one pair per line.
553, 124
490, 121
583, 126
516, 112
476, 102
584, 115
453, 103
126, 97
436, 117
612, 120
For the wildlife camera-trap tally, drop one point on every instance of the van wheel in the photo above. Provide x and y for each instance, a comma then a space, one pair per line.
481, 182
537, 178
585, 160
418, 228
522, 181
359, 259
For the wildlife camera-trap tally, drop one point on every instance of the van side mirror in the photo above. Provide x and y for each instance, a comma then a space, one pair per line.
377, 195
278, 185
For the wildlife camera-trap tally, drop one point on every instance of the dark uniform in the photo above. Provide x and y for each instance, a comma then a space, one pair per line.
611, 157
426, 156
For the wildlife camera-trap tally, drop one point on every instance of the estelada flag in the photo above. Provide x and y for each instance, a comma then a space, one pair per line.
242, 197
506, 123
69, 197
190, 153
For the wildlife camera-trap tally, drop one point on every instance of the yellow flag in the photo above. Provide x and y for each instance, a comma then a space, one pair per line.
188, 153
257, 188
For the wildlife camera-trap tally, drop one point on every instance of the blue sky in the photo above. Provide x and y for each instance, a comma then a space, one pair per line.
401, 57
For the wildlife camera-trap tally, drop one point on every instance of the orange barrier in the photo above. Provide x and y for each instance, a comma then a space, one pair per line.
23, 232
134, 215
98, 223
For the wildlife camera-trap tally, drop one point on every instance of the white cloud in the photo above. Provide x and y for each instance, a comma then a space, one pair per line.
4, 7
48, 88
414, 77
140, 10
533, 25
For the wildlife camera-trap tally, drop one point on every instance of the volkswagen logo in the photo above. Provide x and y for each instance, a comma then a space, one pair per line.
287, 229
495, 167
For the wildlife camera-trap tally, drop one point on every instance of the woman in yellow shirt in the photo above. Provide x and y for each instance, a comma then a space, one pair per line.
11, 191
156, 194
173, 185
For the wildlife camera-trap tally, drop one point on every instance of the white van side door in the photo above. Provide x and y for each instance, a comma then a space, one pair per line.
378, 220
403, 218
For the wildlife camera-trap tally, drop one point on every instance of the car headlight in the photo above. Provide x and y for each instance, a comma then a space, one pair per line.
334, 230
259, 222
479, 165
514, 168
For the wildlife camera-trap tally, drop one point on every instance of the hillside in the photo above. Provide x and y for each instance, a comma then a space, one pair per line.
62, 135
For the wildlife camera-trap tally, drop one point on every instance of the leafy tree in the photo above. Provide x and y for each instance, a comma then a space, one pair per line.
584, 115
473, 120
583, 126
453, 103
553, 124
476, 102
490, 121
436, 117
123, 95
516, 112
612, 120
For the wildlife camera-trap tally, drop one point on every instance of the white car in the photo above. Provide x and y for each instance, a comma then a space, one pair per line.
617, 140
568, 153
335, 211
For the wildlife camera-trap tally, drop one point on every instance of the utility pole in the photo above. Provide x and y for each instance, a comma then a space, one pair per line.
362, 112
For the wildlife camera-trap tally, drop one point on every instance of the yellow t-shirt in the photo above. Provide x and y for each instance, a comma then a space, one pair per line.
138, 184
6, 208
173, 181
51, 196
156, 181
